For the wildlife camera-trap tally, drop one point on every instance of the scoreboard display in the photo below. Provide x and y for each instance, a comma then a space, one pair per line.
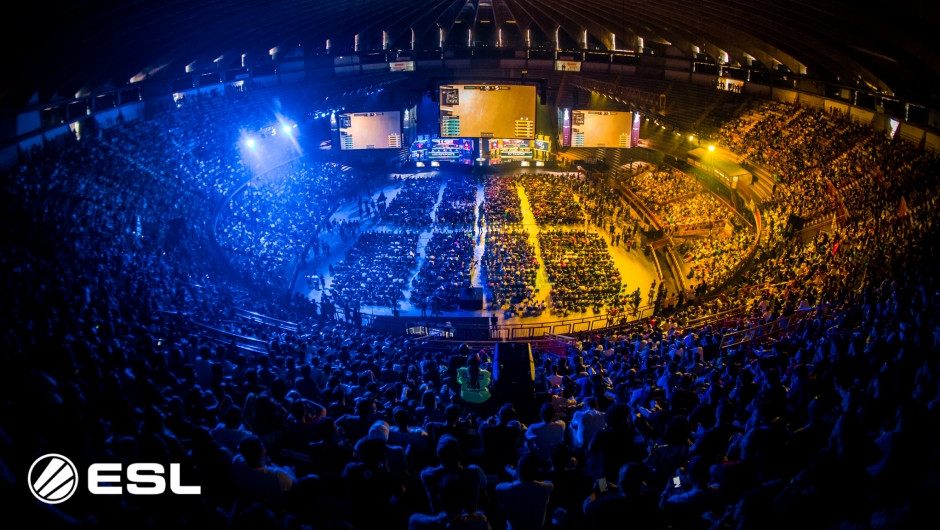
601, 128
487, 111
370, 130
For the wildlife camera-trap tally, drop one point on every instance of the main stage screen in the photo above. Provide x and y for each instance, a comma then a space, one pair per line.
487, 111
370, 130
601, 128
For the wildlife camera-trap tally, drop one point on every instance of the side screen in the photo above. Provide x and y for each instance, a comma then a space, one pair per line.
601, 128
369, 130
487, 111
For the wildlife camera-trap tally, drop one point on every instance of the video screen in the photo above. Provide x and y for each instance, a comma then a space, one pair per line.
450, 150
370, 130
510, 148
488, 111
601, 128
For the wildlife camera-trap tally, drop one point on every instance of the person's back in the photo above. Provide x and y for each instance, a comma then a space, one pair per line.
357, 425
373, 492
414, 439
614, 445
471, 477
684, 509
501, 440
474, 384
306, 385
585, 423
631, 495
523, 503
543, 436
451, 514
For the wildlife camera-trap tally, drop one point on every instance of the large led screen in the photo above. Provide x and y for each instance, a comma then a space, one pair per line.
601, 128
370, 130
488, 111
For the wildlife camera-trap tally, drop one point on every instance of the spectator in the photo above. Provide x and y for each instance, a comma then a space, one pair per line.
452, 515
449, 454
502, 438
373, 493
523, 502
474, 384
585, 423
544, 436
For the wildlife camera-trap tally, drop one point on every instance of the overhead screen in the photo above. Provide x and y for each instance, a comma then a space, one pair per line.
487, 111
601, 128
370, 130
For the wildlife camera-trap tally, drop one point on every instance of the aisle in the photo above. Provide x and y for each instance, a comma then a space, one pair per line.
543, 286
479, 235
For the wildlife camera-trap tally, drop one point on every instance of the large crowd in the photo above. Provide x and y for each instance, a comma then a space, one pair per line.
457, 208
448, 260
125, 343
273, 221
501, 202
412, 206
551, 199
510, 265
582, 272
375, 270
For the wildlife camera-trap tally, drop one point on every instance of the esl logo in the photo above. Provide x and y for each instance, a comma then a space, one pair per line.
53, 478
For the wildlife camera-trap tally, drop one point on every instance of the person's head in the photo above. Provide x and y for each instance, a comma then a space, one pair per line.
379, 431
568, 388
631, 477
617, 415
473, 366
371, 451
402, 417
233, 417
547, 412
677, 430
429, 399
562, 458
325, 428
452, 413
252, 451
365, 407
506, 413
527, 467
448, 451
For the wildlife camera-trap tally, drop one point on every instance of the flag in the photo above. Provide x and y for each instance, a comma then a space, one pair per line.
835, 247
902, 208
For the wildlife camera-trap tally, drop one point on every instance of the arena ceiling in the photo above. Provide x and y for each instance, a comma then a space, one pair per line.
59, 49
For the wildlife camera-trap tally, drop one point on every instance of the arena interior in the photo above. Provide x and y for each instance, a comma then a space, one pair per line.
488, 264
